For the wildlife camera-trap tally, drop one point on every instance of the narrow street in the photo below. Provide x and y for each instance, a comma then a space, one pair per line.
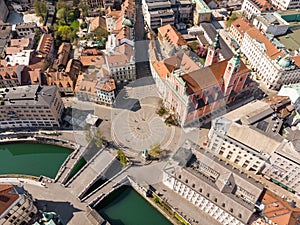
141, 44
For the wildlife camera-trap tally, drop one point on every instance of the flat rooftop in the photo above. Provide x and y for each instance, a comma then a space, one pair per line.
291, 40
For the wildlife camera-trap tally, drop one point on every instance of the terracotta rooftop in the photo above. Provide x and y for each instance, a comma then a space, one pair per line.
297, 60
64, 53
114, 13
279, 211
123, 33
60, 79
20, 42
209, 76
92, 61
91, 51
10, 72
7, 197
263, 5
85, 84
36, 62
106, 85
172, 35
271, 49
31, 76
45, 44
179, 61
13, 50
241, 25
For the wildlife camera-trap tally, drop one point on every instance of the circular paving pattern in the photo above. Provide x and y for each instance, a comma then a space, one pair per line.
140, 130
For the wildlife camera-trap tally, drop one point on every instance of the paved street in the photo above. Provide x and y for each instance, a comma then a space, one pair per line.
55, 198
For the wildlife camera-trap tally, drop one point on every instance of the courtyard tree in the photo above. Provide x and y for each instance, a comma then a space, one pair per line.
121, 157
98, 138
232, 18
155, 151
40, 9
88, 133
65, 32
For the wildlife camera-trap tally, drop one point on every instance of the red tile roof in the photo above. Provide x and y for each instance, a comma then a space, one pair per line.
241, 25
271, 49
172, 35
209, 76
279, 211
7, 197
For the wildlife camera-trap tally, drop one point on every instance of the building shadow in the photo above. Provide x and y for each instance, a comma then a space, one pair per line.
64, 209
131, 104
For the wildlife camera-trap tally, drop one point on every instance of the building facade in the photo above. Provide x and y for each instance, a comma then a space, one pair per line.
272, 66
274, 156
271, 23
17, 205
30, 106
195, 97
10, 76
212, 186
201, 13
25, 29
288, 4
251, 8
157, 13
229, 133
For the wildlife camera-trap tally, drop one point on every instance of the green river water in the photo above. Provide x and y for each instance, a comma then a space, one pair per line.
127, 207
32, 159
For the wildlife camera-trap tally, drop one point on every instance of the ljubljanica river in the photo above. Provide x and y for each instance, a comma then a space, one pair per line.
126, 207
32, 159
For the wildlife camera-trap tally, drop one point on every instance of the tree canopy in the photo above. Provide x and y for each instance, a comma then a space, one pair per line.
40, 9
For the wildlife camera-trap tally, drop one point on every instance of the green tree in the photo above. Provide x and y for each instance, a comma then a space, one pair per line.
85, 8
88, 133
155, 151
65, 32
62, 4
232, 18
121, 156
75, 25
156, 200
61, 14
40, 9
83, 25
71, 17
98, 138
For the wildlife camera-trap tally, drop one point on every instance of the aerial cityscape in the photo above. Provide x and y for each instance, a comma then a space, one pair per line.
150, 112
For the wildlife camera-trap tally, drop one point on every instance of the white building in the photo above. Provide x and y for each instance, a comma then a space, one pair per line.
251, 8
234, 136
249, 138
121, 63
157, 13
212, 186
106, 91
20, 58
272, 66
286, 4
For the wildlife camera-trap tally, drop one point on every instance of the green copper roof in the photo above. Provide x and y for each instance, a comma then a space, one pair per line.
285, 61
127, 22
235, 60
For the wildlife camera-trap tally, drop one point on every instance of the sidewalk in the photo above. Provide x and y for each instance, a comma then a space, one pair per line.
188, 210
